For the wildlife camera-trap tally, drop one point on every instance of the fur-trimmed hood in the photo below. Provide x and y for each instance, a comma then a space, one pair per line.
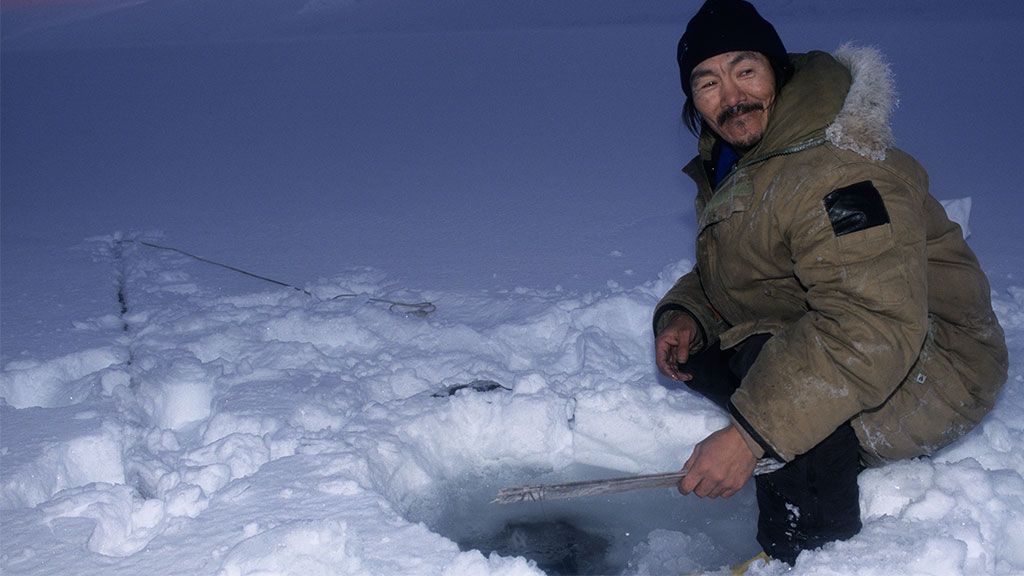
862, 125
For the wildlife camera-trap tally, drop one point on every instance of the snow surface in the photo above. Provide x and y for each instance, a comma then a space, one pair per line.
513, 165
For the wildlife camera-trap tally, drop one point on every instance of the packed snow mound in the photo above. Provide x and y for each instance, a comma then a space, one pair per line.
58, 381
81, 446
959, 210
291, 432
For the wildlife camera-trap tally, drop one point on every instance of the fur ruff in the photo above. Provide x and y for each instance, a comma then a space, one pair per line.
862, 125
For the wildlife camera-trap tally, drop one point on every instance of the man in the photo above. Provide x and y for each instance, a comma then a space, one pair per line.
834, 311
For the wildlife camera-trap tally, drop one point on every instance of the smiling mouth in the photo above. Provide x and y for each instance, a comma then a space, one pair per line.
738, 110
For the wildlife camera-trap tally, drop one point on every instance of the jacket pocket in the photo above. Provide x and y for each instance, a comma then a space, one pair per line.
873, 268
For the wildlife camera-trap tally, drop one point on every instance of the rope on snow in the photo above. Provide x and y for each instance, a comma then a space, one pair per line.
416, 308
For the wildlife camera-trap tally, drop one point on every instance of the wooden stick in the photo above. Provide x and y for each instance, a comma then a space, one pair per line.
586, 488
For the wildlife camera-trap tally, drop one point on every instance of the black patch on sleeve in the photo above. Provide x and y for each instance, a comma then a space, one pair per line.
855, 207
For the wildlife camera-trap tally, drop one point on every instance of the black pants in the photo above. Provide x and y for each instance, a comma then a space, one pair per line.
813, 499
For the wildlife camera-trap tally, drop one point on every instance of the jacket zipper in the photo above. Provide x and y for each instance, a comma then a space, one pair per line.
782, 152
711, 263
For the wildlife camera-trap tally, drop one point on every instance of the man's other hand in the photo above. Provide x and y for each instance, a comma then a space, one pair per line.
672, 346
719, 466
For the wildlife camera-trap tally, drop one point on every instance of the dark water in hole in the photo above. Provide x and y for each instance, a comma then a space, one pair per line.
558, 545
653, 532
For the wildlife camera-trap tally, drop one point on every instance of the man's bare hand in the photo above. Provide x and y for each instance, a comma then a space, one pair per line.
672, 347
719, 466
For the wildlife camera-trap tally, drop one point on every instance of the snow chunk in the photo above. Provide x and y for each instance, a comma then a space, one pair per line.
85, 451
670, 552
959, 211
210, 478
58, 382
473, 430
224, 424
967, 514
473, 563
242, 454
939, 557
888, 491
177, 394
530, 383
934, 506
125, 522
311, 548
313, 418
640, 429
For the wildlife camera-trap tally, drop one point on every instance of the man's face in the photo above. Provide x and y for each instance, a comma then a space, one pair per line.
734, 92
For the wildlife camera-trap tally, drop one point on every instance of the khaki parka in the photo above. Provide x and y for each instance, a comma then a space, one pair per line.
889, 327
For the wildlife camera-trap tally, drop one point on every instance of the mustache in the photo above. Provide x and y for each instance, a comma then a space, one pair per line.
741, 108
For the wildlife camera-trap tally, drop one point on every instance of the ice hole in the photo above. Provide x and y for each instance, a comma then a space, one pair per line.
653, 531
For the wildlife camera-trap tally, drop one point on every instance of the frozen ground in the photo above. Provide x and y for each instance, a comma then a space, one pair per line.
515, 168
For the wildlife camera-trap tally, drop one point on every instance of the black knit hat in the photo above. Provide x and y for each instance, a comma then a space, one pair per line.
727, 26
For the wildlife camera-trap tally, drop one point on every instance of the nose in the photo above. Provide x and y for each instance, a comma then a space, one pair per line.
730, 93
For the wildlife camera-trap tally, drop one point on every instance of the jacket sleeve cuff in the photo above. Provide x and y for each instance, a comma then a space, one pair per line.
757, 444
668, 312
